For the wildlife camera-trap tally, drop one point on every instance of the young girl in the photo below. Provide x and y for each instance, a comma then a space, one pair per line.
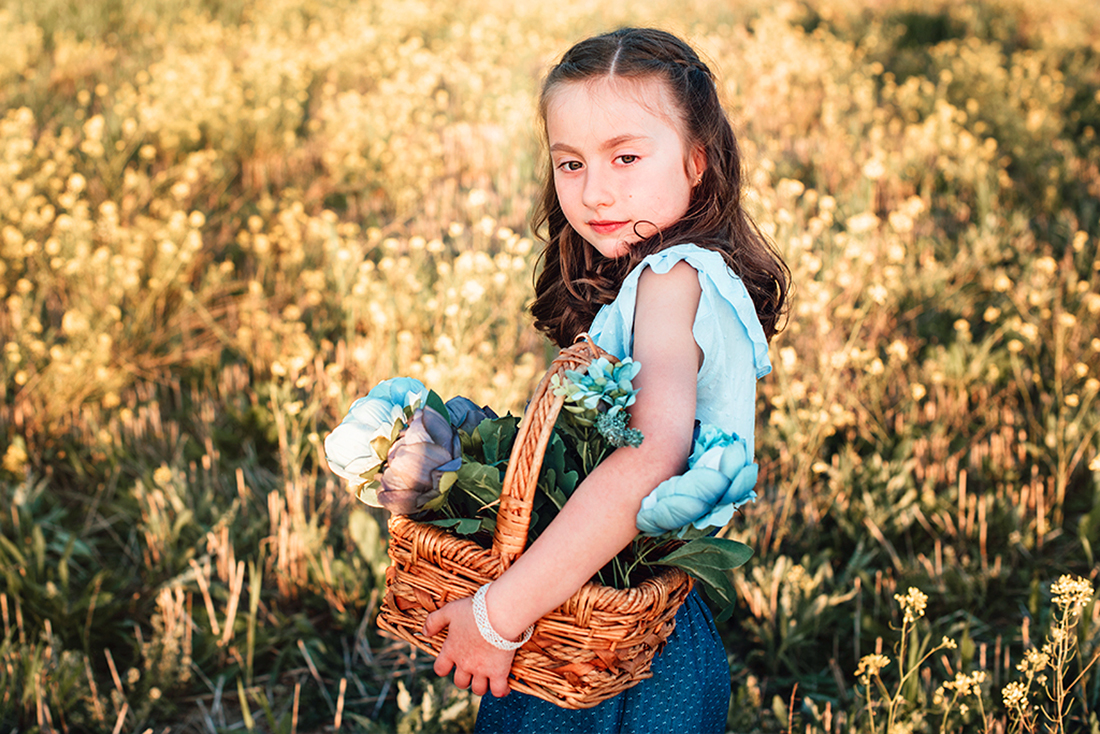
650, 251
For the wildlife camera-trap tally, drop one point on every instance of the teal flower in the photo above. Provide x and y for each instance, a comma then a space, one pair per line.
719, 479
356, 448
603, 383
600, 396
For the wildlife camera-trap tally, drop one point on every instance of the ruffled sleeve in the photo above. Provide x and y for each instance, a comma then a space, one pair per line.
723, 292
726, 328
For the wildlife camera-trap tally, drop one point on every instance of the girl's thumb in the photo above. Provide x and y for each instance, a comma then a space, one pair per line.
435, 623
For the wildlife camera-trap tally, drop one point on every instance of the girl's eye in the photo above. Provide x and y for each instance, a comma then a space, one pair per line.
628, 158
570, 166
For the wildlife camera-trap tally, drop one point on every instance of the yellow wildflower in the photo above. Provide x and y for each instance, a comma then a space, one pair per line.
913, 604
162, 475
1071, 592
1014, 695
870, 665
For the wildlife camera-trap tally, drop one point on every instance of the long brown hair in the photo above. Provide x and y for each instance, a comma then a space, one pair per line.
575, 279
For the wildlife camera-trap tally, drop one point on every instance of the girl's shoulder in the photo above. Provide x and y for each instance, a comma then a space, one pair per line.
700, 258
723, 296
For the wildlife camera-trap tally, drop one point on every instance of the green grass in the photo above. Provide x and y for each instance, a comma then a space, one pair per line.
222, 222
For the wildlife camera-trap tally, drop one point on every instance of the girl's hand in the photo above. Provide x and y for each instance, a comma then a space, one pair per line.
477, 664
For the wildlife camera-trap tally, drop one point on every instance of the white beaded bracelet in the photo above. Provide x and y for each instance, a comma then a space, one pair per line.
481, 616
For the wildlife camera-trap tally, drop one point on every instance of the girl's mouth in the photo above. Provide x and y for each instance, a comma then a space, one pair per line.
604, 227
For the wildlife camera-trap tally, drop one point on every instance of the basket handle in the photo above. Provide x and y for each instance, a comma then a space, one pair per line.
521, 479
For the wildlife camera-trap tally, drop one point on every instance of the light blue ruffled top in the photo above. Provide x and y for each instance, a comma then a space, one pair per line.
726, 328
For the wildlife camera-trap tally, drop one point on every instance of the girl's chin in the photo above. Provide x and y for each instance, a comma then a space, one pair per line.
612, 250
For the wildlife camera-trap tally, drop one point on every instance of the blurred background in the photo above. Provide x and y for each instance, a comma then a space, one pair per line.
223, 220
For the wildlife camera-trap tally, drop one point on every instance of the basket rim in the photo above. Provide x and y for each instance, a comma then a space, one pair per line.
525, 461
407, 528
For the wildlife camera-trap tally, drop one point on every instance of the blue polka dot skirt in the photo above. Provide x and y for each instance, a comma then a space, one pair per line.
689, 692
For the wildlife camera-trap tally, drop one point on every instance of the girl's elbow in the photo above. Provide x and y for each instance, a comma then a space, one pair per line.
661, 462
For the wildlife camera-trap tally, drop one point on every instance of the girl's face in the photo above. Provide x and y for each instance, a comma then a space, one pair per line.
622, 171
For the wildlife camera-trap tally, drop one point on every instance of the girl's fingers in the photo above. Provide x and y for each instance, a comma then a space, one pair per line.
499, 686
462, 678
479, 685
442, 665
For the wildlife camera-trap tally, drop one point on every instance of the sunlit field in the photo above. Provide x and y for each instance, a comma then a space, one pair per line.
221, 221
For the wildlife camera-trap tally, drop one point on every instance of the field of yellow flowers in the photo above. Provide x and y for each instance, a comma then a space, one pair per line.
223, 220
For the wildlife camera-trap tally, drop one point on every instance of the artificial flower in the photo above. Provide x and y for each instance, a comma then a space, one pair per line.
466, 416
603, 383
599, 397
357, 447
426, 451
720, 478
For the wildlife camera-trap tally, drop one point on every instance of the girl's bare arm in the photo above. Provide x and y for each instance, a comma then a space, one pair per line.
599, 519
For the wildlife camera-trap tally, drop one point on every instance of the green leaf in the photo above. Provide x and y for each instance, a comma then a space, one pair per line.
472, 446
497, 437
720, 553
553, 463
446, 480
709, 560
558, 488
461, 525
717, 585
436, 403
480, 481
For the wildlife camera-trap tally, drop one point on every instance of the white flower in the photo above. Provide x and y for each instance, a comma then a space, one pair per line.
358, 445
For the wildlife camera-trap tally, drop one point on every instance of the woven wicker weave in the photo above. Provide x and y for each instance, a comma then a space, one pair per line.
597, 644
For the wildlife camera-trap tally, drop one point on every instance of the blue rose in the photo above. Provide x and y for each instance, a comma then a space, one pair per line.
359, 444
418, 463
720, 478
466, 416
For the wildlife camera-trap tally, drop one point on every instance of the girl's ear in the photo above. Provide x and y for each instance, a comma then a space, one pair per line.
697, 163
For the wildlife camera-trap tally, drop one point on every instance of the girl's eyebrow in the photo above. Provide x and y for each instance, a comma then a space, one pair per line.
607, 145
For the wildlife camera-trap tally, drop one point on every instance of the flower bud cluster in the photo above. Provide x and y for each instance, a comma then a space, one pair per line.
603, 388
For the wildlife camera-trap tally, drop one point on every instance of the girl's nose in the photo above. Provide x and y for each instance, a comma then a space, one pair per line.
597, 190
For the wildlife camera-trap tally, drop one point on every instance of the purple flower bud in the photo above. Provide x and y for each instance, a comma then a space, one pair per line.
427, 449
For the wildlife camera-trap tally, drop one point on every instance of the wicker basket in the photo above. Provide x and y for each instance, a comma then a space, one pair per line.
597, 644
